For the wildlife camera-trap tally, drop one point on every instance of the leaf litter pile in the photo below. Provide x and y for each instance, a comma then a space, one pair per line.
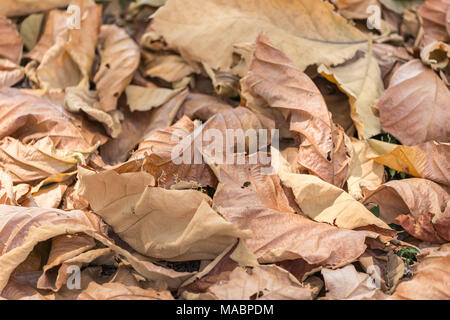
94, 97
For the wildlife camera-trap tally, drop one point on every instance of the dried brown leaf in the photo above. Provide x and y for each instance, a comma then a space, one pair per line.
11, 43
290, 25
276, 88
415, 108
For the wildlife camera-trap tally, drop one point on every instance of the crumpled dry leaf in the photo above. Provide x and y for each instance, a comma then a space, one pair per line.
276, 88
400, 6
11, 43
144, 144
389, 59
361, 80
11, 8
10, 73
415, 107
145, 99
355, 9
151, 219
385, 270
420, 206
153, 3
55, 23
267, 282
50, 196
7, 193
30, 29
81, 99
202, 106
27, 117
194, 34
436, 54
429, 160
54, 278
337, 103
325, 202
225, 84
120, 58
118, 291
364, 171
348, 284
433, 14
63, 248
278, 233
36, 161
40, 224
48, 223
169, 67
173, 154
69, 61
137, 126
431, 279
157, 153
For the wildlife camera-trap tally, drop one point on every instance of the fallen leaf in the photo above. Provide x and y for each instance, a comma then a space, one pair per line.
42, 224
69, 61
337, 103
151, 220
433, 14
35, 161
10, 73
237, 254
30, 28
427, 160
7, 193
156, 155
51, 196
81, 99
11, 44
400, 6
276, 88
267, 282
173, 155
348, 284
420, 206
355, 9
389, 59
11, 8
361, 81
364, 170
63, 247
325, 202
119, 60
436, 54
27, 117
202, 106
278, 233
145, 99
137, 126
